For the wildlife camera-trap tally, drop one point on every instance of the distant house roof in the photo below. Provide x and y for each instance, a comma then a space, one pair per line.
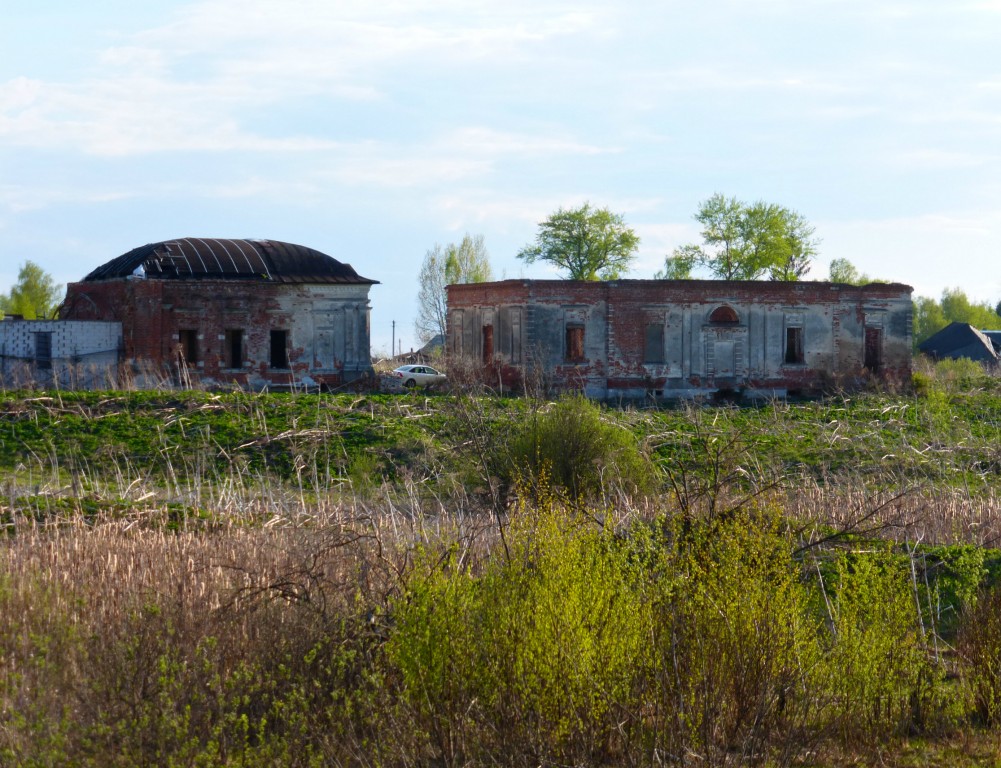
428, 352
960, 340
216, 258
434, 346
995, 337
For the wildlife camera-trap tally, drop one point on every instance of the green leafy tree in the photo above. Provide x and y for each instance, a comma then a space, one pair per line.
928, 318
931, 316
797, 246
588, 243
35, 295
747, 242
465, 262
679, 265
957, 307
843, 271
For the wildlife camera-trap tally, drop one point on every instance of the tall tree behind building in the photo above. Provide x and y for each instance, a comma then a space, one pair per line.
465, 262
843, 271
35, 295
743, 241
587, 243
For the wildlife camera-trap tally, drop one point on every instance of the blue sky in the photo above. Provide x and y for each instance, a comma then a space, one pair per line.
371, 131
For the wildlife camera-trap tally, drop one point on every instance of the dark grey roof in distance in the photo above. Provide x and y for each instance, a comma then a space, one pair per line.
960, 340
215, 258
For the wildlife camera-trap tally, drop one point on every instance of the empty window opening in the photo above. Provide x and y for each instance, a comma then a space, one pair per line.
794, 346
873, 359
488, 343
234, 349
654, 348
575, 344
187, 342
724, 315
279, 349
43, 350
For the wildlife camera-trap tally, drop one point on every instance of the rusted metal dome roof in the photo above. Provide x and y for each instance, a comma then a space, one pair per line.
214, 258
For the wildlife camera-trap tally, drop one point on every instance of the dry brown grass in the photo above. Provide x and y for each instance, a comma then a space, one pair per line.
928, 516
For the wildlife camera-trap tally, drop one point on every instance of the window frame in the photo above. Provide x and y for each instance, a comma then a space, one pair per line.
573, 344
279, 340
487, 337
234, 349
43, 350
654, 353
794, 350
188, 348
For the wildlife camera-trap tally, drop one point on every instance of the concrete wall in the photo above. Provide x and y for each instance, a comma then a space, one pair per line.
651, 338
185, 327
67, 354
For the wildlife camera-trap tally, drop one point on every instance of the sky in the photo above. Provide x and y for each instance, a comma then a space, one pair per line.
371, 131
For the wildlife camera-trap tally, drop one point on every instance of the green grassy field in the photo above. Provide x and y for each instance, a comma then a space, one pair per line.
193, 578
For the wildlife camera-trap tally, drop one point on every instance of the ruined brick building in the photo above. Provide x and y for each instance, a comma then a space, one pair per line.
258, 313
682, 338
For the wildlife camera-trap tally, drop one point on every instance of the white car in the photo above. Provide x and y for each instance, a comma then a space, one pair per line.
419, 376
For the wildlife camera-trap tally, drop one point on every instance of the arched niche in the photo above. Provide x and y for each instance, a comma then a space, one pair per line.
724, 315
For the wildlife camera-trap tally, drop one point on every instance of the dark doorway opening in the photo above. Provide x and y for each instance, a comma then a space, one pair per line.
279, 349
234, 349
488, 343
188, 343
873, 359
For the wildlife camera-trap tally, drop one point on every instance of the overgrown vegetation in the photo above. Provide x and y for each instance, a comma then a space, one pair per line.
931, 316
251, 580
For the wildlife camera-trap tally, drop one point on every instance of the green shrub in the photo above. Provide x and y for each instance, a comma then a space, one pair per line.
736, 642
436, 650
876, 671
979, 644
575, 629
535, 657
576, 446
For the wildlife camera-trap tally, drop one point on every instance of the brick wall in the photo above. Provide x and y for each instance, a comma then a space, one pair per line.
194, 328
658, 338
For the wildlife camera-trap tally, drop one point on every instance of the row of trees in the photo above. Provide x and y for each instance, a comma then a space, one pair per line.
740, 241
931, 315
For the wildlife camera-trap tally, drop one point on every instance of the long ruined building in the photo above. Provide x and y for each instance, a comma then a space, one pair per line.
665, 339
254, 313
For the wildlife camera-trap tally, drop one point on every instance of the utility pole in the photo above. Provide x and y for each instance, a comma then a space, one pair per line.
392, 346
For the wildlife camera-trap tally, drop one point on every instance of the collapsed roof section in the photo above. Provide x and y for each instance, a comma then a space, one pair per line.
216, 258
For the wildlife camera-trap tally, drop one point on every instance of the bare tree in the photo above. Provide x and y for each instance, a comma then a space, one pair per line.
465, 262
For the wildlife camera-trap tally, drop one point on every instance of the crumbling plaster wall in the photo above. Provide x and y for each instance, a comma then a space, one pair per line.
326, 326
622, 320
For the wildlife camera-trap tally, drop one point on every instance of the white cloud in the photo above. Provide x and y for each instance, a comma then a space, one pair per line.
19, 199
470, 154
189, 84
397, 170
486, 141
